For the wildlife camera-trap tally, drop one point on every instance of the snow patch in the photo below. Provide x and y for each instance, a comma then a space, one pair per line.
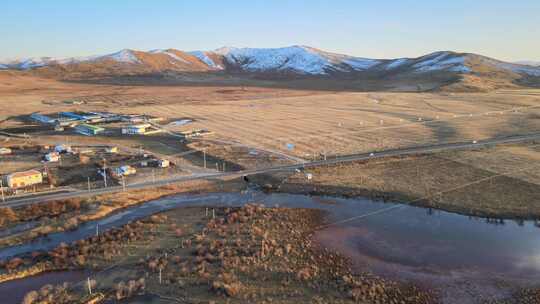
442, 61
205, 59
361, 64
521, 69
429, 62
31, 63
170, 54
28, 63
295, 58
396, 63
124, 55
460, 69
224, 50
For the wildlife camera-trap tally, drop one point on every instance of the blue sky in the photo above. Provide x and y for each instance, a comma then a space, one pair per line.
507, 30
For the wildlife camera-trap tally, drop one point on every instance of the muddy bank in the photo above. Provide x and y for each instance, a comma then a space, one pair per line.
36, 221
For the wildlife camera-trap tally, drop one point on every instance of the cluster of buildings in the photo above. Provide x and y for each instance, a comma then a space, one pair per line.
85, 122
25, 179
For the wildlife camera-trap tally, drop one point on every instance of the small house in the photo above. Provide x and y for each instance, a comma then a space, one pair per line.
139, 129
5, 151
89, 130
62, 149
124, 171
163, 163
52, 157
24, 179
58, 128
111, 150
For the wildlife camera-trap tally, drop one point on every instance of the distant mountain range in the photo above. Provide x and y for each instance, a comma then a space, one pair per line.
531, 63
462, 71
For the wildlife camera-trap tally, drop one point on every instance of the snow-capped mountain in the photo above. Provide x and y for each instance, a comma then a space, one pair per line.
205, 58
300, 60
297, 61
126, 56
310, 61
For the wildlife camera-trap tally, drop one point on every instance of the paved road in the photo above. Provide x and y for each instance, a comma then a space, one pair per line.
340, 159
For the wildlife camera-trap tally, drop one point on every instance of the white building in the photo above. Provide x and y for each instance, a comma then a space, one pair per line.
139, 129
163, 163
111, 150
124, 171
52, 157
4, 151
62, 149
24, 179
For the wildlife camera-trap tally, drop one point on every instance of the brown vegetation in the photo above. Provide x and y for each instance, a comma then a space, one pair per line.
498, 185
248, 254
50, 294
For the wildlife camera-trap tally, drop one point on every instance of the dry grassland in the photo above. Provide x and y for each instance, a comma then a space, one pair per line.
315, 122
492, 182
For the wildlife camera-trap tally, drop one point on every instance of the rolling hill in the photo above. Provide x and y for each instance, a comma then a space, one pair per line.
300, 65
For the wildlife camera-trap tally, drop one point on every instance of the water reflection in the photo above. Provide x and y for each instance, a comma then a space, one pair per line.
416, 239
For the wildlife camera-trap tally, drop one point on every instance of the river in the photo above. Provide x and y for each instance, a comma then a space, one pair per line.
464, 258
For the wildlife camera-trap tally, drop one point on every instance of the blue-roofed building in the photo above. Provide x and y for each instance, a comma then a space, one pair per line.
73, 115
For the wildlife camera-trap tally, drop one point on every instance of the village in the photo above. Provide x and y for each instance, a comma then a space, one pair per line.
65, 166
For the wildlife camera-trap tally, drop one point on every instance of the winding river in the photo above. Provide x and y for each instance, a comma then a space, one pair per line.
462, 257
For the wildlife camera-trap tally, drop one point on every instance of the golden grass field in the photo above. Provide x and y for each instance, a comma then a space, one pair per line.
314, 121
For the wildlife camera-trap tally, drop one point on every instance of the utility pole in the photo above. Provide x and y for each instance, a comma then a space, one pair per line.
105, 172
88, 180
2, 189
204, 157
89, 286
123, 183
97, 229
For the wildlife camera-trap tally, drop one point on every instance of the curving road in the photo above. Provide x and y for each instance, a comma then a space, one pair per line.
17, 202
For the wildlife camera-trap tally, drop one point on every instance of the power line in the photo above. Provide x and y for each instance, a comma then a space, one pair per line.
401, 205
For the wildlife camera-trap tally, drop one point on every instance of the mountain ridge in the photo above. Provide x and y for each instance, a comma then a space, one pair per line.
445, 68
